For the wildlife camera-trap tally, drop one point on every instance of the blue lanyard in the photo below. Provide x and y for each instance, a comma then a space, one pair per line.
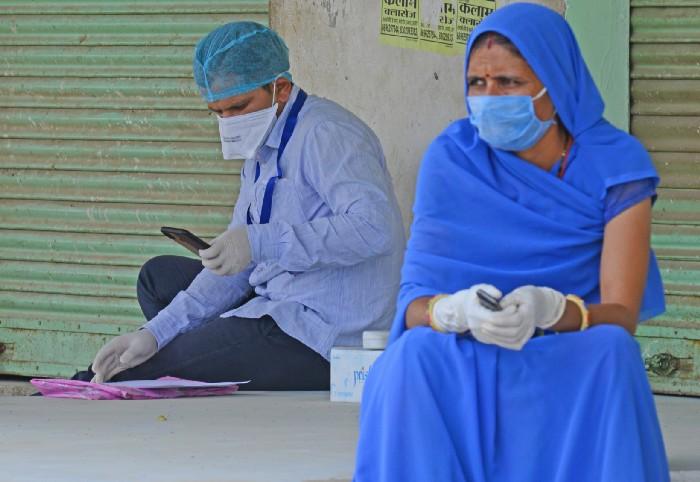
289, 126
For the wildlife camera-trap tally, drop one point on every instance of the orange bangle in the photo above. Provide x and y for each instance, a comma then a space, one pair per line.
431, 305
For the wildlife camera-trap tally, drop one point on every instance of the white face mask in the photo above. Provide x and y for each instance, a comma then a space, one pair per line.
242, 135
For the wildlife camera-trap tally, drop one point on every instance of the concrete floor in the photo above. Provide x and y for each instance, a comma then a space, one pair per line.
248, 436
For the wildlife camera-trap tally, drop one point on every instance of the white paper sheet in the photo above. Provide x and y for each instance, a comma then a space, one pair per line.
172, 384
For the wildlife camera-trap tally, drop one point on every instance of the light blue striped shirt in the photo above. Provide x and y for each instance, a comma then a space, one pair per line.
327, 265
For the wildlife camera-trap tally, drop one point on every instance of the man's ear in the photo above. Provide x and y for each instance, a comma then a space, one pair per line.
284, 89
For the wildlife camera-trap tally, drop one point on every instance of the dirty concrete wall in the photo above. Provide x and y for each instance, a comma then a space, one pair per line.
407, 96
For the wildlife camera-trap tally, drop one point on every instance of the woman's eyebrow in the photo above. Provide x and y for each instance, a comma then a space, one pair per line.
498, 78
501, 78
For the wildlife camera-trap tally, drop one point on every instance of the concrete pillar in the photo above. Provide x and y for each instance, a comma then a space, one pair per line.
407, 96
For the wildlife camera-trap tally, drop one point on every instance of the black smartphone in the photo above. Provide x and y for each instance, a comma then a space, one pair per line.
184, 238
488, 301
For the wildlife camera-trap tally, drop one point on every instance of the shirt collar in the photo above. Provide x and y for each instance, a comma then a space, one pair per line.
275, 137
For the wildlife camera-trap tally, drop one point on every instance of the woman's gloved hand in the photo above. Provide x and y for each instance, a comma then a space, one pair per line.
544, 305
229, 252
524, 309
122, 353
455, 313
507, 328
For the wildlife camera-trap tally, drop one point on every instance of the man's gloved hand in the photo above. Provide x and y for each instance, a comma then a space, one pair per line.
123, 352
544, 305
455, 313
229, 252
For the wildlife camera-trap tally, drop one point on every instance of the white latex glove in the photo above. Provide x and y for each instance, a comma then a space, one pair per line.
544, 305
454, 313
524, 309
229, 252
123, 352
507, 328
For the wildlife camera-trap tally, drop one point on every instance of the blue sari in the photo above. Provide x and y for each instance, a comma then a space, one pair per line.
569, 407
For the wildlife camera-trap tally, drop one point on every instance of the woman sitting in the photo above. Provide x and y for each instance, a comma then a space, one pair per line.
535, 196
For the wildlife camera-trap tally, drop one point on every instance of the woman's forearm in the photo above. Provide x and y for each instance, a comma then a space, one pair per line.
599, 314
417, 313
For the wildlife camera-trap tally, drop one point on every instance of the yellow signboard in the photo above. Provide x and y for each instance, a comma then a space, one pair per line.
403, 24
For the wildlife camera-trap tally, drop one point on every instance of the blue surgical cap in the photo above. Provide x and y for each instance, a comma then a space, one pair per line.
237, 58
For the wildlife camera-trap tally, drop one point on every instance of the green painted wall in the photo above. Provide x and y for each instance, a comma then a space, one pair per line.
602, 30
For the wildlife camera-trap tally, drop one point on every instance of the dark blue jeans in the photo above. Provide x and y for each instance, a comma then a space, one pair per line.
223, 349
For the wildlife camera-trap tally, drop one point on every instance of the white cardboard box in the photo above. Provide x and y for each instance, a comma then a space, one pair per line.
349, 370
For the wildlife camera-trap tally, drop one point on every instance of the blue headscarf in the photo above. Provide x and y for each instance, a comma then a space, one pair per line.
484, 215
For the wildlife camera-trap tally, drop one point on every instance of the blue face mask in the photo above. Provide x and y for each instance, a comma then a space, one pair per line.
507, 122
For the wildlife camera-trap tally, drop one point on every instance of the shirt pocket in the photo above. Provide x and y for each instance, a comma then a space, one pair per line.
286, 206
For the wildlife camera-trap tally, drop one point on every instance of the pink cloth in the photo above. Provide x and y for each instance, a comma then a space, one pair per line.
63, 388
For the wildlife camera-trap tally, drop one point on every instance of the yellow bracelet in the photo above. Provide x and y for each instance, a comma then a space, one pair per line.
582, 308
431, 305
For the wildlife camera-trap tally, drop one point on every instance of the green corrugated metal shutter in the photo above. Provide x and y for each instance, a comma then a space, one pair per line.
665, 93
103, 139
